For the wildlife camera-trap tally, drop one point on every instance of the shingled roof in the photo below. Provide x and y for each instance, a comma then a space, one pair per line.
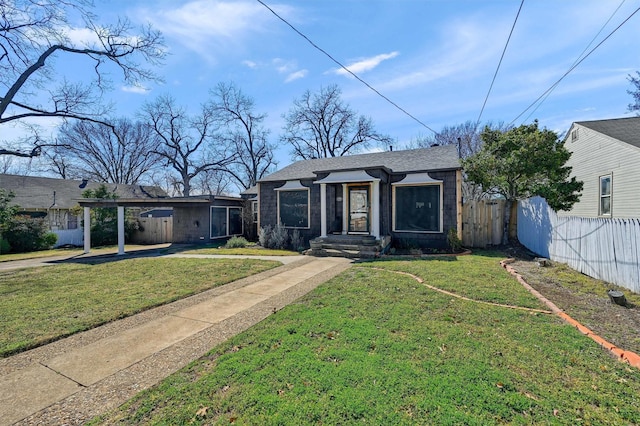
624, 129
414, 160
32, 192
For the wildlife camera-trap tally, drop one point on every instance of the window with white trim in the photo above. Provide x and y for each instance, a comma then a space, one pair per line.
254, 211
605, 196
293, 208
226, 221
417, 208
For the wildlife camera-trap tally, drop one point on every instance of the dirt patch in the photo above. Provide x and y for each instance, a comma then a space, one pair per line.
586, 300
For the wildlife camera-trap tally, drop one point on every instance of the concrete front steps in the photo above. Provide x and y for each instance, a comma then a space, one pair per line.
349, 246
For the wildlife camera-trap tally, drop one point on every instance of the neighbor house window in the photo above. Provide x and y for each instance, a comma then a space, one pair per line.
254, 211
605, 196
293, 208
417, 208
72, 221
226, 221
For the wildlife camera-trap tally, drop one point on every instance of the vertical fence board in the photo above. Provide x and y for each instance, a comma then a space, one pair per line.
482, 223
606, 249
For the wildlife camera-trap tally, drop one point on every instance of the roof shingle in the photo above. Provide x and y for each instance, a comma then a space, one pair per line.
414, 160
624, 129
33, 192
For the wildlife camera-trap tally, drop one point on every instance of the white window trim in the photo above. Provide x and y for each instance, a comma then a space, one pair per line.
254, 210
211, 237
292, 188
441, 212
600, 196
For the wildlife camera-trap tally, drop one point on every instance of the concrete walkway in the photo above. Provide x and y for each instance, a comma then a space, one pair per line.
74, 379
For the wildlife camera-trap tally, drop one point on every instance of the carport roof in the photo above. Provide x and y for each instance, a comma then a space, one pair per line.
153, 202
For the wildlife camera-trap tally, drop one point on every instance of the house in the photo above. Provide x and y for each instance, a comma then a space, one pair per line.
56, 199
411, 197
605, 156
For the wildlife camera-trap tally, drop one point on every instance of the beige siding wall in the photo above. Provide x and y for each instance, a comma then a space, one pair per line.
595, 155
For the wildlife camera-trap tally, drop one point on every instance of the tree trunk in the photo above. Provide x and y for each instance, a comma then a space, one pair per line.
507, 222
513, 222
510, 232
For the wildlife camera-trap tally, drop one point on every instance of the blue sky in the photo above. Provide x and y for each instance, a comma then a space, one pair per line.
434, 58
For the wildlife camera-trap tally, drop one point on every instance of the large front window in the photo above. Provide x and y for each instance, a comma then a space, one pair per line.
226, 221
417, 208
293, 208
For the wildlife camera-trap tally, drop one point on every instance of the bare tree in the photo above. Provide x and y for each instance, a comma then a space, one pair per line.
34, 33
466, 137
186, 143
122, 154
243, 130
321, 125
214, 182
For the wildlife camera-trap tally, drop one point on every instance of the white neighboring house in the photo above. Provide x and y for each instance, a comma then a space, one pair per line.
55, 200
606, 157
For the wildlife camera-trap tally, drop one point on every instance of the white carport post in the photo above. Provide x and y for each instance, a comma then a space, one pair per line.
345, 209
323, 210
120, 229
87, 229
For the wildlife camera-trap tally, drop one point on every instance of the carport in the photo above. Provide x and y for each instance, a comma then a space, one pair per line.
185, 204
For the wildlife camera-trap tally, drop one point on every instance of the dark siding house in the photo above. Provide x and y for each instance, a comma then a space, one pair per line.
410, 197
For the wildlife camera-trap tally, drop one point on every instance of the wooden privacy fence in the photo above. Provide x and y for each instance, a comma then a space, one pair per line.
154, 230
482, 223
607, 249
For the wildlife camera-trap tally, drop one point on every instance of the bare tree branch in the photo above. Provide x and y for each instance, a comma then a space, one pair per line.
320, 125
32, 33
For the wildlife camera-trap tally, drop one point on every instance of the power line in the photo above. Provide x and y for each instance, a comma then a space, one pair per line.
574, 66
499, 63
576, 60
346, 69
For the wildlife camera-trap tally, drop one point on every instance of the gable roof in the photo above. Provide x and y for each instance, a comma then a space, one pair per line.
414, 160
624, 129
33, 192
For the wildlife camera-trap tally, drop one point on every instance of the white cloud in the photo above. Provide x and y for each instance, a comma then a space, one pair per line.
296, 75
210, 27
366, 64
249, 64
82, 36
136, 89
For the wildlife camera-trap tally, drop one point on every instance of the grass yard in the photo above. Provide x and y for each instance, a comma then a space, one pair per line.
39, 254
246, 251
376, 347
39, 305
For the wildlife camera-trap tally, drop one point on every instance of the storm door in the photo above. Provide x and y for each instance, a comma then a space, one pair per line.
359, 209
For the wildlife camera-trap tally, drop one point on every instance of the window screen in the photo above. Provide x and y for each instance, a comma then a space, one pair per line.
235, 221
294, 208
417, 208
218, 222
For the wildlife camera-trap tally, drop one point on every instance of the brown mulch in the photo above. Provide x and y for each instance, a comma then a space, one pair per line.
587, 303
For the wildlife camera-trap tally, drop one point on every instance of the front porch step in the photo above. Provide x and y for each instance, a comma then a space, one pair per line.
349, 246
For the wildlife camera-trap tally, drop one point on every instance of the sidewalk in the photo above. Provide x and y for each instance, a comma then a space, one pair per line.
84, 375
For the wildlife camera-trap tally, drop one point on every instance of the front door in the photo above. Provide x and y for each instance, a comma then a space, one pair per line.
359, 209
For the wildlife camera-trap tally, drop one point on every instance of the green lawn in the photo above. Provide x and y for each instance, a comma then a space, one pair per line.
376, 347
246, 251
39, 305
38, 254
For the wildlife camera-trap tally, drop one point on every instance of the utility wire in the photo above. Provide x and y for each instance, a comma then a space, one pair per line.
346, 69
499, 63
574, 66
577, 59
